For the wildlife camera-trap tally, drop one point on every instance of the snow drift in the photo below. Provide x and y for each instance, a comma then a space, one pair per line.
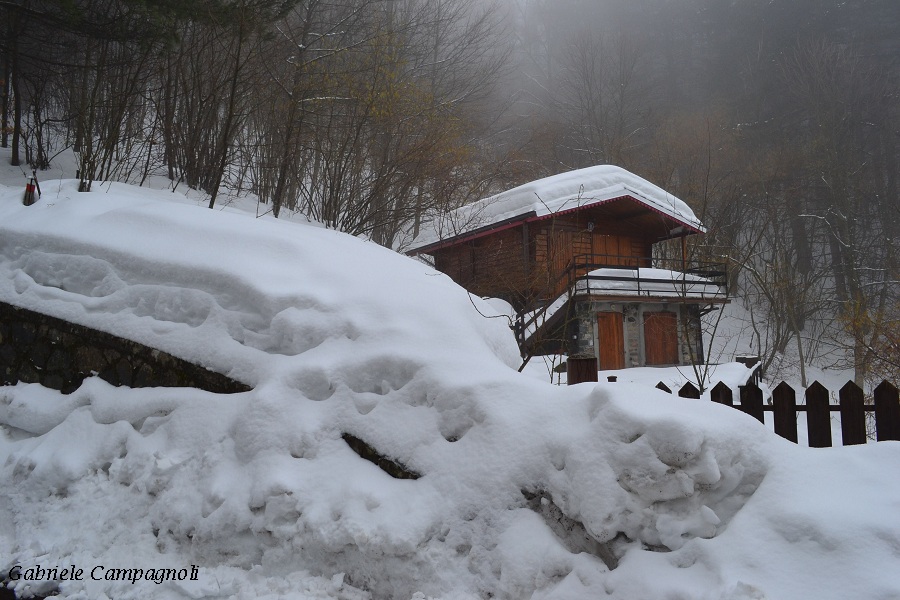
517, 488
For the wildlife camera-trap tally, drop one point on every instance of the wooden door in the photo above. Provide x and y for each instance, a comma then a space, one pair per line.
617, 250
611, 340
661, 338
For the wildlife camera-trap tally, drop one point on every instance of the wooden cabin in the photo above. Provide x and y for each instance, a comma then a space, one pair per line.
579, 256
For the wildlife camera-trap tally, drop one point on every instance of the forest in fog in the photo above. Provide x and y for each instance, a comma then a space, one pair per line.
778, 121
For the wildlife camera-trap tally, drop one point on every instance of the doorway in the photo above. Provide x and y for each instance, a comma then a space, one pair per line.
660, 338
610, 333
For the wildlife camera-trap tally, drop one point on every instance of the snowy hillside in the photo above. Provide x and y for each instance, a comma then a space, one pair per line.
524, 489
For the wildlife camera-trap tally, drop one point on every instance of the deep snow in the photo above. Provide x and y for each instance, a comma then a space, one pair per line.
527, 489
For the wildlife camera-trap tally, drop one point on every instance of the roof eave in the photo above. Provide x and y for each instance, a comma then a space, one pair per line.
471, 235
532, 216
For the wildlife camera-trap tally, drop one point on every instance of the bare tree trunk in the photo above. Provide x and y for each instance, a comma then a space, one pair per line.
230, 116
17, 107
5, 72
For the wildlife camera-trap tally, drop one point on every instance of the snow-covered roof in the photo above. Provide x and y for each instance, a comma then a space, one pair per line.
558, 193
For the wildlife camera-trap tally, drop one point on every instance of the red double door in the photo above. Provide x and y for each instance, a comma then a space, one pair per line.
660, 339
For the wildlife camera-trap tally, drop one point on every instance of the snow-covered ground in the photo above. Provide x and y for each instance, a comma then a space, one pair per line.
732, 374
527, 490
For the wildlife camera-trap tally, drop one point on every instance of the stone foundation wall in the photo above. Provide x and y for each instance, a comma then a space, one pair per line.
633, 332
581, 333
36, 348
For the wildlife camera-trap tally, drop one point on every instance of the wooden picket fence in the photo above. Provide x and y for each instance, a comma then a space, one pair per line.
818, 408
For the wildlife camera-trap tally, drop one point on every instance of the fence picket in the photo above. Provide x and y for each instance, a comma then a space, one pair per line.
689, 390
887, 412
818, 410
752, 402
853, 414
785, 408
721, 394
818, 416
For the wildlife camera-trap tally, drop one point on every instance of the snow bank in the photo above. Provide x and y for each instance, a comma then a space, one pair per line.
237, 295
524, 489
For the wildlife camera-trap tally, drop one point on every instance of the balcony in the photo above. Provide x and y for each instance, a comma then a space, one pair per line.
607, 275
616, 278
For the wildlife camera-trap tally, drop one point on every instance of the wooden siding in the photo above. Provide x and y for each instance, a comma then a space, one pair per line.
489, 266
557, 244
457, 262
500, 264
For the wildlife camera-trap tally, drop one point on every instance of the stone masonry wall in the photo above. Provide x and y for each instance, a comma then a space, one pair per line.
36, 348
581, 332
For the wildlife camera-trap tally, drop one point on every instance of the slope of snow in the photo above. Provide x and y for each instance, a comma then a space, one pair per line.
581, 187
526, 489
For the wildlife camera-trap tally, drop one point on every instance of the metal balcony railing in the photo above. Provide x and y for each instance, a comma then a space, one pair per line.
633, 276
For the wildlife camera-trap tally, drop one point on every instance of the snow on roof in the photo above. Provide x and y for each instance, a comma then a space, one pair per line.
565, 191
527, 490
